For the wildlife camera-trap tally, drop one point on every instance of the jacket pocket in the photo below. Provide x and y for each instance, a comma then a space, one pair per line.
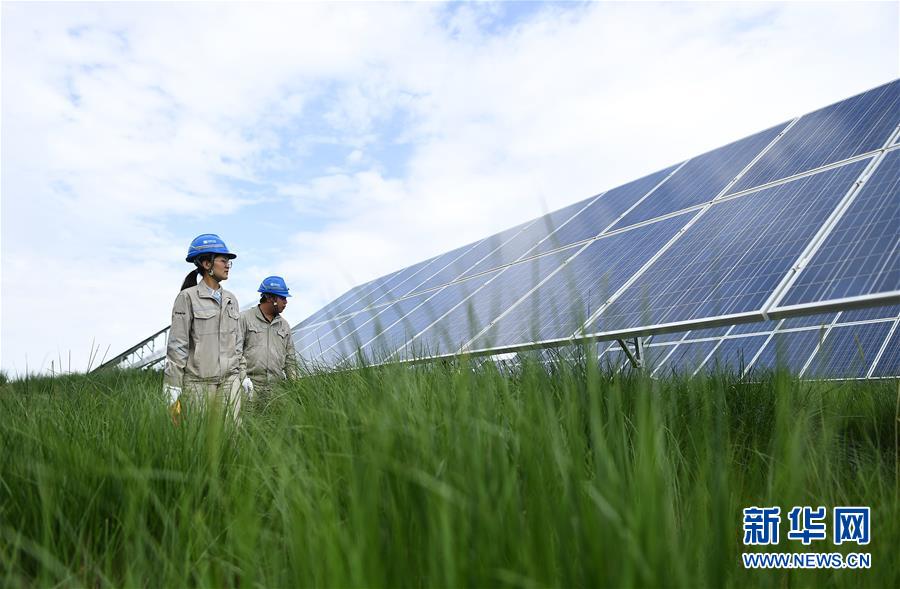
205, 322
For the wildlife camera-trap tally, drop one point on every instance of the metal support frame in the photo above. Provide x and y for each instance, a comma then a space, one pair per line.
144, 354
637, 357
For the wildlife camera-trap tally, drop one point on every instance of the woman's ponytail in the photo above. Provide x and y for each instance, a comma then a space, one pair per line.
191, 279
194, 275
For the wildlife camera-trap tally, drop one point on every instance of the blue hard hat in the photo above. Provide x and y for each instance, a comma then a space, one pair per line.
208, 243
274, 285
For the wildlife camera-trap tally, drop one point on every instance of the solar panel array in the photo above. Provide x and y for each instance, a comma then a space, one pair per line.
801, 218
860, 343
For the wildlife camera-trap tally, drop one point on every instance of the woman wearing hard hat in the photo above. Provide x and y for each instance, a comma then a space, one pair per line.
204, 357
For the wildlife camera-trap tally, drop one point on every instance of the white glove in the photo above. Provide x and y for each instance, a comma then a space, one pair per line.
172, 392
248, 387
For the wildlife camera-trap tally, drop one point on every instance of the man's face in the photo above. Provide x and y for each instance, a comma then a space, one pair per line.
278, 303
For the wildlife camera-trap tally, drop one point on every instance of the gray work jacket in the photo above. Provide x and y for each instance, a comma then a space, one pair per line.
268, 348
205, 340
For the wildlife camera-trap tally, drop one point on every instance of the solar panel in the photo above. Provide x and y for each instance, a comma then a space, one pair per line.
687, 358
475, 313
788, 350
734, 354
754, 327
469, 259
330, 310
404, 281
366, 325
854, 126
889, 363
848, 351
817, 320
604, 211
368, 294
734, 350
709, 332
883, 312
805, 232
663, 338
526, 241
312, 342
559, 306
382, 331
860, 255
733, 257
702, 178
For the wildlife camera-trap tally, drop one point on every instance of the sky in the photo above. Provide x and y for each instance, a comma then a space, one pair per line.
334, 143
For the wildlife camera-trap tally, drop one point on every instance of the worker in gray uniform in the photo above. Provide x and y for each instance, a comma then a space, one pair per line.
204, 352
268, 346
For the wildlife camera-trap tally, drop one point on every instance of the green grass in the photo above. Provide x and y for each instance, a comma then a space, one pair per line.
444, 475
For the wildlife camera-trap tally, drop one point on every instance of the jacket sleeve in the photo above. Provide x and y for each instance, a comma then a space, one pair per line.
291, 367
240, 339
179, 341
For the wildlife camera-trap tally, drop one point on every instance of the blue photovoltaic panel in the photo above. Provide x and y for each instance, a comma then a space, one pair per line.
889, 363
848, 352
603, 211
367, 295
350, 302
818, 320
362, 327
525, 242
884, 312
442, 262
726, 265
311, 342
303, 338
851, 127
382, 337
788, 350
330, 310
687, 357
860, 255
476, 312
709, 332
458, 267
386, 290
668, 337
560, 306
735, 255
734, 354
702, 178
754, 327
656, 355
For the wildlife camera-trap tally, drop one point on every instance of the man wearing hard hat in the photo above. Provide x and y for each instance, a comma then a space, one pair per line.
268, 345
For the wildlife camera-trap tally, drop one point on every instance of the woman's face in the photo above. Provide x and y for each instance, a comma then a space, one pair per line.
220, 268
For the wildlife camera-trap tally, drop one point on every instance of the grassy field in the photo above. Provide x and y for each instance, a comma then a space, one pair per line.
448, 475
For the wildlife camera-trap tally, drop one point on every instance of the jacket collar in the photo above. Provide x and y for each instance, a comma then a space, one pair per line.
261, 317
204, 291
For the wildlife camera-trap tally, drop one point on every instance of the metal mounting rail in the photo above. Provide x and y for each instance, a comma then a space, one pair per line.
144, 354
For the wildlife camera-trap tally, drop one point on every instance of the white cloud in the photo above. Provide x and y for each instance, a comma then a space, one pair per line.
122, 124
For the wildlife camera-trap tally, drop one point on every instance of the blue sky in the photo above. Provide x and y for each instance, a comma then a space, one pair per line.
332, 143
